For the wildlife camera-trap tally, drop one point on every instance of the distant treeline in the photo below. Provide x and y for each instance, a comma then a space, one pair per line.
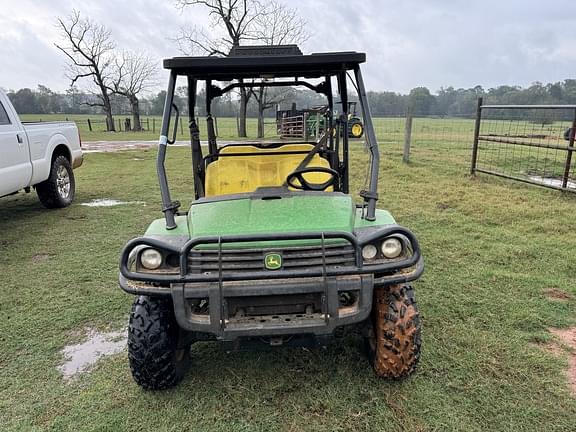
446, 102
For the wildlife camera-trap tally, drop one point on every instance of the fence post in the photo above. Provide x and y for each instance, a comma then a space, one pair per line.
569, 153
89, 125
237, 125
181, 131
476, 135
407, 135
153, 124
306, 135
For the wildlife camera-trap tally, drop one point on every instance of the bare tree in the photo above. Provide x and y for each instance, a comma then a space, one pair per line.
89, 49
233, 20
275, 25
239, 21
134, 73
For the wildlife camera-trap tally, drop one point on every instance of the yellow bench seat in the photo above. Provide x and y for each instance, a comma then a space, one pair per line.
241, 174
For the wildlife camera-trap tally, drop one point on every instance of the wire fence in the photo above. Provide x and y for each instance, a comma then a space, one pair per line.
121, 124
528, 143
226, 127
440, 132
451, 132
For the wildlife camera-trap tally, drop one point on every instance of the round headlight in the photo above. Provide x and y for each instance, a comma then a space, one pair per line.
391, 248
369, 252
151, 259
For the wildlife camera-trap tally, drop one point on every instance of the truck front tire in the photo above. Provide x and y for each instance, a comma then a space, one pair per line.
157, 359
393, 342
59, 189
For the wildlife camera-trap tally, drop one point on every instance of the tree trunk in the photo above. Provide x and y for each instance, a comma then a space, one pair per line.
261, 113
243, 104
260, 123
107, 106
135, 107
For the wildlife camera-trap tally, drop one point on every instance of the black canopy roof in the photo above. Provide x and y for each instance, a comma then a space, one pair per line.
315, 65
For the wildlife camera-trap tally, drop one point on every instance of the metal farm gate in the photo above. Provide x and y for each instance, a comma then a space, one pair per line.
528, 143
292, 127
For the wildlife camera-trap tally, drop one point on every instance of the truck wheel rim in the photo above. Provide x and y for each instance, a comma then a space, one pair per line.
356, 130
63, 181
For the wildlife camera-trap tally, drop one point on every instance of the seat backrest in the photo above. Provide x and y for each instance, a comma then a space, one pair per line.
240, 174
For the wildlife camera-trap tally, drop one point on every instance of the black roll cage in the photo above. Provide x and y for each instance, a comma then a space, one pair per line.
259, 69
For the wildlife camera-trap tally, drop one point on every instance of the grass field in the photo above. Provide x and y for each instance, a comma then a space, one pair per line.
492, 248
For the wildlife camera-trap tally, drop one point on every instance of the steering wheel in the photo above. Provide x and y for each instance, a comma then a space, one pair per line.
305, 185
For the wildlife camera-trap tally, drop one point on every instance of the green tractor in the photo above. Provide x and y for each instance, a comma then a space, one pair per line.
318, 122
316, 119
355, 125
274, 250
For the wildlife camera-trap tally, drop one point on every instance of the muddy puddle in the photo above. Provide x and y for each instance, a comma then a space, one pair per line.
107, 202
81, 357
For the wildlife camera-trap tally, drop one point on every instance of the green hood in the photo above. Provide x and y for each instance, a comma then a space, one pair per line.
293, 213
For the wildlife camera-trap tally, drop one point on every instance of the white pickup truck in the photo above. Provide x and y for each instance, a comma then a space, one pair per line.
40, 155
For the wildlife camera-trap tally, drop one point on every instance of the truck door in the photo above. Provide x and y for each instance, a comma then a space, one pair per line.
15, 166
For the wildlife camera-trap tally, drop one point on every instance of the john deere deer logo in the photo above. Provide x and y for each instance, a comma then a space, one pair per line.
273, 261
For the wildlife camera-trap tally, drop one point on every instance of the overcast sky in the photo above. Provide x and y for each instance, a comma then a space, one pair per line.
408, 43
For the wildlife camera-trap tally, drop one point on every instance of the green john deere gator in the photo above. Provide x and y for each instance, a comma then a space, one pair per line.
273, 250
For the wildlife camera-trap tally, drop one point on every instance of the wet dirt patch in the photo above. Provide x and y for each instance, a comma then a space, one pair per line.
552, 181
108, 202
566, 344
557, 294
79, 358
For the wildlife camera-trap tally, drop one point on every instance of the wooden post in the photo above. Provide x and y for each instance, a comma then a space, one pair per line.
476, 135
238, 125
569, 154
89, 125
407, 136
181, 131
306, 135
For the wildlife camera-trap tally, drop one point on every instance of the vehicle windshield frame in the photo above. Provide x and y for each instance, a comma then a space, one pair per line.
268, 71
